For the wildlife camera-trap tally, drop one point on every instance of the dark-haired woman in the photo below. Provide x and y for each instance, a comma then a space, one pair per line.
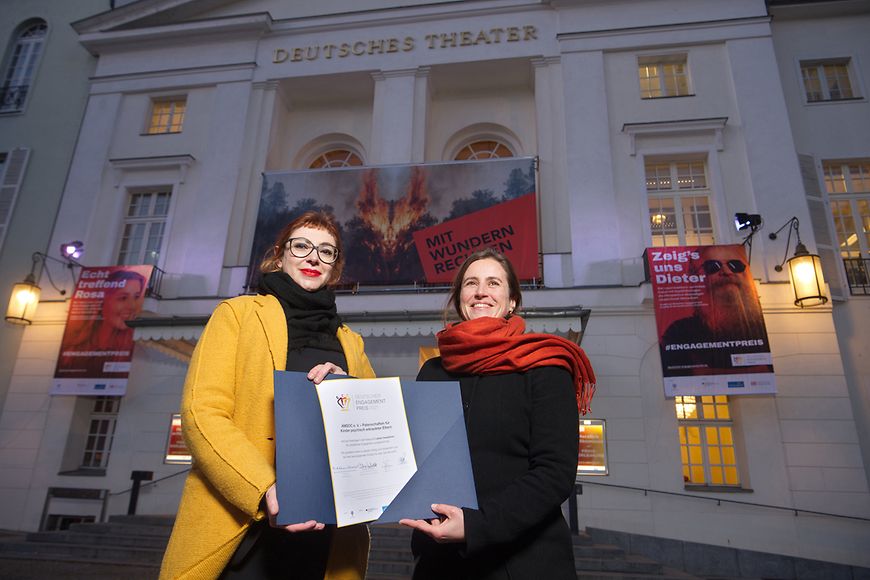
226, 520
521, 395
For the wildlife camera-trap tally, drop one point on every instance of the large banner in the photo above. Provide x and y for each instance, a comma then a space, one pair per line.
407, 224
712, 336
97, 345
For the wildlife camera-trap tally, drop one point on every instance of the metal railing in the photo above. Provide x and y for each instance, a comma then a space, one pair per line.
578, 490
134, 490
858, 275
12, 97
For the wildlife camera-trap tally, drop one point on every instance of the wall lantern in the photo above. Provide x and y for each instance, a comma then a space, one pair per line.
804, 269
25, 294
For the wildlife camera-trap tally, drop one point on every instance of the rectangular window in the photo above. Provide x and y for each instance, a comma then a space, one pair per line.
101, 431
663, 76
143, 227
827, 80
848, 187
679, 203
167, 115
707, 447
12, 169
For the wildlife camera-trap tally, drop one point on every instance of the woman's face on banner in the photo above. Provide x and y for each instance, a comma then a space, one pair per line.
485, 291
122, 304
310, 271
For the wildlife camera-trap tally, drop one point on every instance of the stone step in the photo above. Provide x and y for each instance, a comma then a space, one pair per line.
28, 568
130, 529
601, 551
108, 554
628, 564
117, 540
152, 520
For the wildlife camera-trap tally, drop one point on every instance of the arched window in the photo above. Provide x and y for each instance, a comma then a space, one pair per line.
336, 158
489, 149
21, 65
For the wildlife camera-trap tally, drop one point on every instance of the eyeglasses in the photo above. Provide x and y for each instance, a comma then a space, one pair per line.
713, 266
302, 248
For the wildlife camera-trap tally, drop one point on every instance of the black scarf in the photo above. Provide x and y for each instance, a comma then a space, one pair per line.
312, 320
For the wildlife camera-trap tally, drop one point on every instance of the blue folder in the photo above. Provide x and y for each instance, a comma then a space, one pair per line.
434, 411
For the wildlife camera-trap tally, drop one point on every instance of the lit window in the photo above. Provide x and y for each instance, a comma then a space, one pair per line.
827, 80
336, 158
663, 76
679, 204
143, 227
489, 149
101, 431
707, 447
848, 187
21, 66
167, 115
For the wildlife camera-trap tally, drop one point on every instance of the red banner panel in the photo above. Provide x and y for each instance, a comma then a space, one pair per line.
510, 227
712, 337
97, 345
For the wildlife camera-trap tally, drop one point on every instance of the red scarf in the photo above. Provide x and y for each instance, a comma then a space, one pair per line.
497, 345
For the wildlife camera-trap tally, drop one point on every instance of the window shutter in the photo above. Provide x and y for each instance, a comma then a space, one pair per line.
820, 218
10, 184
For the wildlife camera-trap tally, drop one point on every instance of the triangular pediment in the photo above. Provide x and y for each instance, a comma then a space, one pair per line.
160, 13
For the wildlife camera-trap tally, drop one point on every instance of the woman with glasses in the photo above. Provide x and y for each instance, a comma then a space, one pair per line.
226, 524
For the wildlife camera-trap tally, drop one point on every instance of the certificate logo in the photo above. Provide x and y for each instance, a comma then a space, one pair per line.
343, 401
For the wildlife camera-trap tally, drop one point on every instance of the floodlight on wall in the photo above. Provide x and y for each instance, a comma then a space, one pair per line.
744, 221
751, 222
72, 250
804, 269
25, 294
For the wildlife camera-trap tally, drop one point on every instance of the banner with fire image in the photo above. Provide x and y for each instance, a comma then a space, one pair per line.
712, 336
407, 224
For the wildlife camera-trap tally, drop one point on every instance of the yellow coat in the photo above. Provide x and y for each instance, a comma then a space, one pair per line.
229, 426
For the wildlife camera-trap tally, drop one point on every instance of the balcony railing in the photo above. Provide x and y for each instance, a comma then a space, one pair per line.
12, 97
154, 284
858, 275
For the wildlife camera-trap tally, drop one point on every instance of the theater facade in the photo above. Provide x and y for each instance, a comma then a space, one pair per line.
644, 124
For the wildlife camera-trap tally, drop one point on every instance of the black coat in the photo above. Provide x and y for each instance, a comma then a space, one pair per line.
522, 434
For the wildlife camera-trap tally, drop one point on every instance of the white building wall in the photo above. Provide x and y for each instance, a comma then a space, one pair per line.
47, 127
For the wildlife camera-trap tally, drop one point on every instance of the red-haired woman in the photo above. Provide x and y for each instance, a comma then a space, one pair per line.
226, 520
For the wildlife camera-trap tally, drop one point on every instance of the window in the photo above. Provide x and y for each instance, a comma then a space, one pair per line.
707, 446
679, 204
848, 187
101, 431
336, 158
21, 66
144, 226
663, 76
12, 168
827, 80
167, 115
489, 149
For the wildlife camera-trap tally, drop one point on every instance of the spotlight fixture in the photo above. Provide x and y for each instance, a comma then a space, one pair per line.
743, 221
804, 269
72, 250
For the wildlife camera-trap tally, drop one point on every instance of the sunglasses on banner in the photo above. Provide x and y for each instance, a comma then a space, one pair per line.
713, 266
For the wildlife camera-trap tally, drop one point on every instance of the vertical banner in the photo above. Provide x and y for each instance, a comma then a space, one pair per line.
712, 336
97, 345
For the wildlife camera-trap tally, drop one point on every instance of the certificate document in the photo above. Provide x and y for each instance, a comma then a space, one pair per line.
368, 444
